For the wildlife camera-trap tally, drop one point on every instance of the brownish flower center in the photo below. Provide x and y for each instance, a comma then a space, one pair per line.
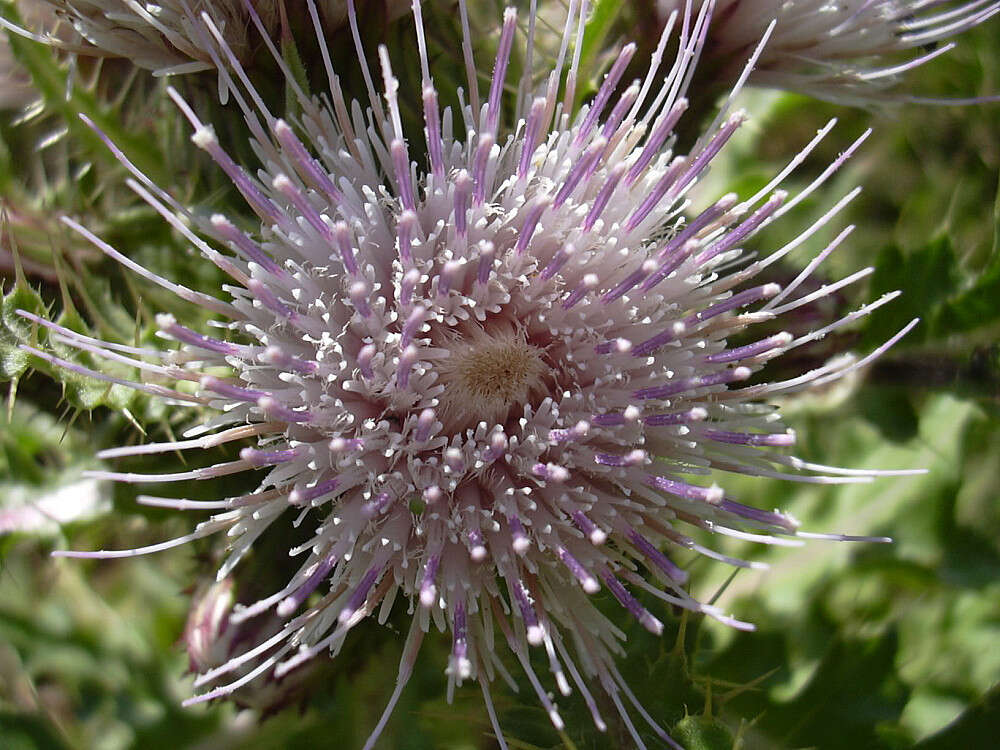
489, 374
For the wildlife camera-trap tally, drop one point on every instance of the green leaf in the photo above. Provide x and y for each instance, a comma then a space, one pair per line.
977, 727
703, 733
926, 277
20, 731
891, 410
979, 303
80, 391
15, 330
931, 280
292, 58
832, 712
602, 18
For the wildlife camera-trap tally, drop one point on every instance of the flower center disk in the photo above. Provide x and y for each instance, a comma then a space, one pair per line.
488, 375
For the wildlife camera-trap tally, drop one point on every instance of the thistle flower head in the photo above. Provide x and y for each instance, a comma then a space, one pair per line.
851, 52
16, 89
213, 636
168, 37
15, 84
164, 37
492, 384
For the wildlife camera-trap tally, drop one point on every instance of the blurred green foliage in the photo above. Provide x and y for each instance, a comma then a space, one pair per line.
857, 645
